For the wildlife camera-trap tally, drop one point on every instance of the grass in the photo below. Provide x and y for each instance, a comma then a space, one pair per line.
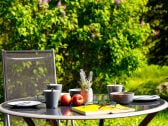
148, 78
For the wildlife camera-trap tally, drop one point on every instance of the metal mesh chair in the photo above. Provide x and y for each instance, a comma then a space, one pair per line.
26, 73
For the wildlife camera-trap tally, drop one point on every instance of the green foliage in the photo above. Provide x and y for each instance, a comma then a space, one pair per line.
157, 16
107, 40
103, 36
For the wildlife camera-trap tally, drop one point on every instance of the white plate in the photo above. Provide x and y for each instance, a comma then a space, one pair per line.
24, 103
146, 97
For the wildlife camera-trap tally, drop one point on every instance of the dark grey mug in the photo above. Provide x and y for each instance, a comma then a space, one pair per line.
74, 91
114, 88
52, 98
55, 86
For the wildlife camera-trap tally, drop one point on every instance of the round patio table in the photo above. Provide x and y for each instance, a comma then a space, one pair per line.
149, 108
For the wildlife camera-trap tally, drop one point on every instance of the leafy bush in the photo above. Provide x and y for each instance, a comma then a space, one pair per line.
103, 36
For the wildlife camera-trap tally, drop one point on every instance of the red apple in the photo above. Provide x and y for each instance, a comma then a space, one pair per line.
65, 99
77, 99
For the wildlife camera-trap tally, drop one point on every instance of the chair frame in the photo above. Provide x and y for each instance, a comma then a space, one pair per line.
4, 54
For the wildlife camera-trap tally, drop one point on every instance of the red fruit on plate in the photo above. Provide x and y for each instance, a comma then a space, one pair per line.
65, 99
77, 99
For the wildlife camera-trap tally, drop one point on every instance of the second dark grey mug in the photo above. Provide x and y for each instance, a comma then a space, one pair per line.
114, 88
52, 98
74, 91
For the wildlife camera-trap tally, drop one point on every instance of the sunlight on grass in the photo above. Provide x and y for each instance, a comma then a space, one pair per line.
148, 78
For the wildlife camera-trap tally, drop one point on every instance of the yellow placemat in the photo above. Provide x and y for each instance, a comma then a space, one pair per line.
97, 109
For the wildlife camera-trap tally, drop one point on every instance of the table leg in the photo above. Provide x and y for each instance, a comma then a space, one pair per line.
29, 121
101, 122
147, 119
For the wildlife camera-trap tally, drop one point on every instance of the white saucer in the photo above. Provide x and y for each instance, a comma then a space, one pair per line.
24, 103
146, 97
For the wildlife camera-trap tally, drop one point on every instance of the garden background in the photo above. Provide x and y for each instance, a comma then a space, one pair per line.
123, 41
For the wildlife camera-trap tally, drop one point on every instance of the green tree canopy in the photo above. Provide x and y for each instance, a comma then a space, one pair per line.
105, 36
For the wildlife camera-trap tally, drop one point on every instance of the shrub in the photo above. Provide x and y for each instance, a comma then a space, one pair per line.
103, 36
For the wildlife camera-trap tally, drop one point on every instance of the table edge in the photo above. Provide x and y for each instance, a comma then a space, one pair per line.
88, 117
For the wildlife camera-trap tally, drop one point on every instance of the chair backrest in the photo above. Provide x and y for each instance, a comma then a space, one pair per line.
26, 72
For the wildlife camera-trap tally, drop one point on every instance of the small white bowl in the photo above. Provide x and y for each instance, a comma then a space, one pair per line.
122, 97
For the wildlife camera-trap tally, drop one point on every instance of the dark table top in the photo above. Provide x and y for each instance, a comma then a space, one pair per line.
65, 113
